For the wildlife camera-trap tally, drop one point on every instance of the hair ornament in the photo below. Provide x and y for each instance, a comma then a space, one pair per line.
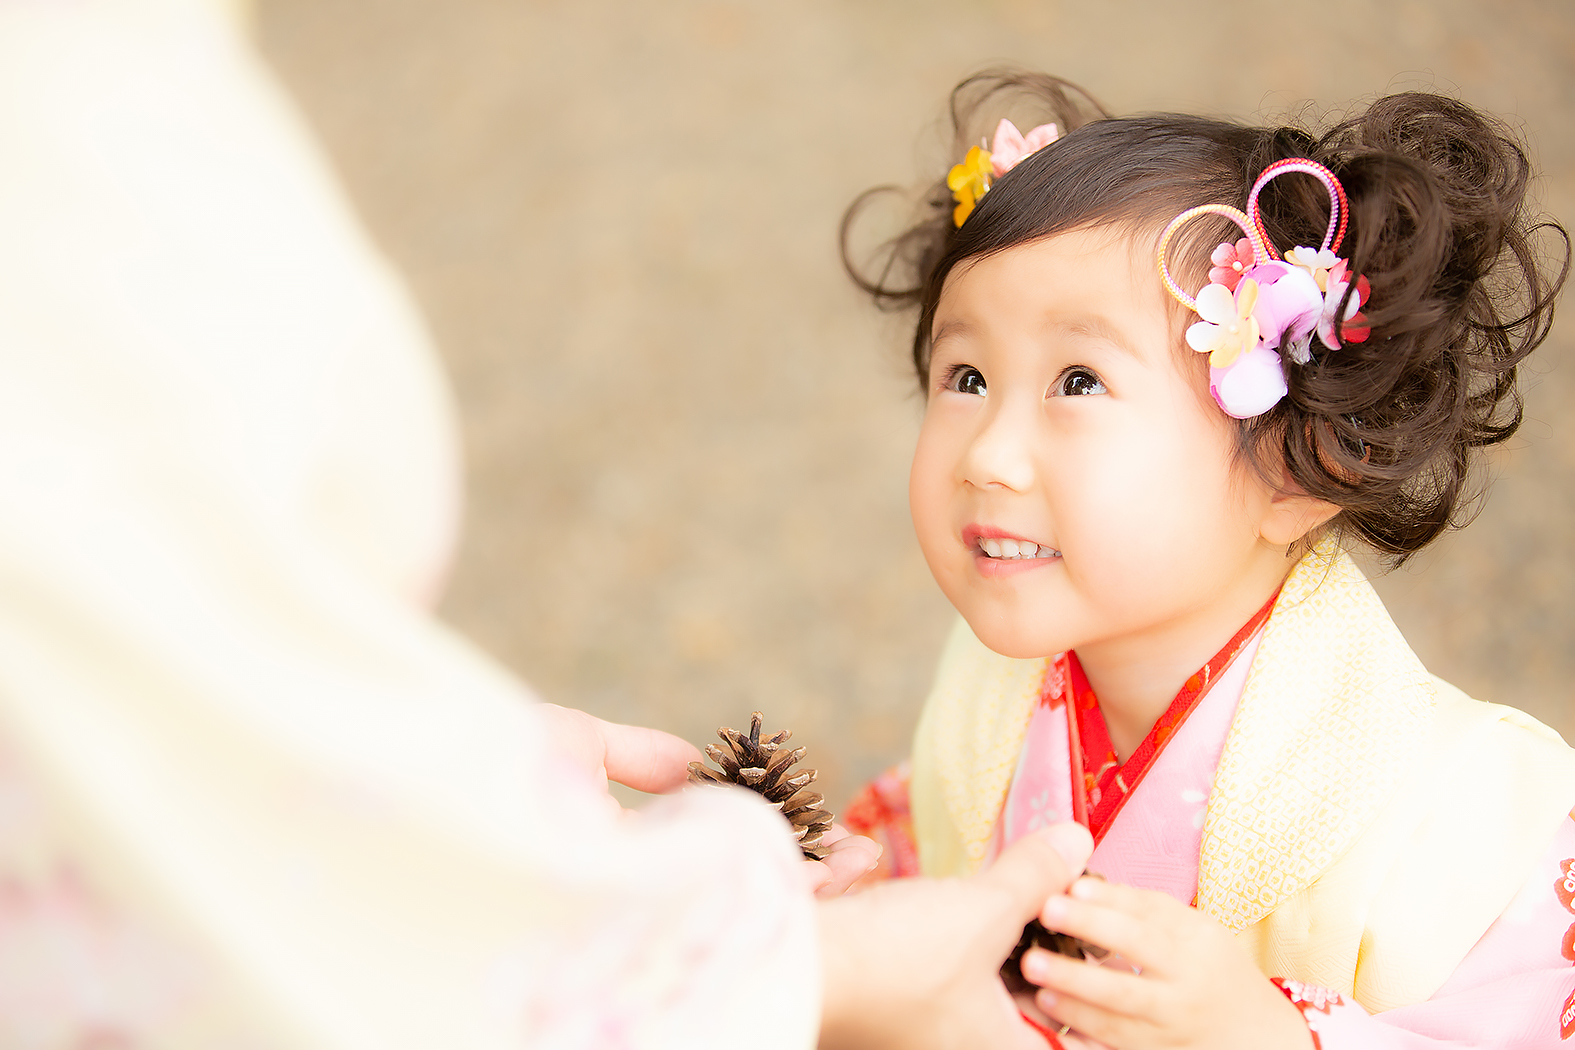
1257, 305
970, 180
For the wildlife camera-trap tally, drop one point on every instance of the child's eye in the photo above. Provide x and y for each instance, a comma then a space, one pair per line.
1076, 381
965, 379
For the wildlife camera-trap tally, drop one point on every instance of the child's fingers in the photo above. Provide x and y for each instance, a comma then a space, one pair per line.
1148, 905
1093, 1023
1108, 990
1110, 928
1107, 1006
1139, 925
1077, 1042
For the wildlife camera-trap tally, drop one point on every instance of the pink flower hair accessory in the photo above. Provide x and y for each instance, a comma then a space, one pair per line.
970, 180
1257, 306
1011, 147
1230, 262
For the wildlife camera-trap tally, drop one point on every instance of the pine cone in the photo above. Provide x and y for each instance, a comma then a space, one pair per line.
764, 766
1036, 935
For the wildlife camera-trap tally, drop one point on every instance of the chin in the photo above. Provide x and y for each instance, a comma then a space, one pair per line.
1010, 640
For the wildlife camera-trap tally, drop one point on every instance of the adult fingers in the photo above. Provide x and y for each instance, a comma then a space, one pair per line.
646, 759
575, 736
1027, 872
1014, 1033
816, 876
1004, 1026
850, 858
1040, 865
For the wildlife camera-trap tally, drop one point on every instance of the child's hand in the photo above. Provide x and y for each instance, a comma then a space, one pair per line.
849, 859
1197, 986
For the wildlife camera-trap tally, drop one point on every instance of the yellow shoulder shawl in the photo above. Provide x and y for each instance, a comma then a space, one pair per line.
1368, 822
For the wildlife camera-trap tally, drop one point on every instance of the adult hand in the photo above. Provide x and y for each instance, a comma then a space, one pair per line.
637, 757
915, 963
849, 858
651, 760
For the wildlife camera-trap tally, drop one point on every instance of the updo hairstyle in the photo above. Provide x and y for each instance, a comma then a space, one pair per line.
1385, 429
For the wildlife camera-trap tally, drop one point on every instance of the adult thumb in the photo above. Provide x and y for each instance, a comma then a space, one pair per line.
1038, 866
647, 759
644, 759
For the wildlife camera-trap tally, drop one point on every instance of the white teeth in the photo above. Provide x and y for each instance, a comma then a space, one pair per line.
1005, 548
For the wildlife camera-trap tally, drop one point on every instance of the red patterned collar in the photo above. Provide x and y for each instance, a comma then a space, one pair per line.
1101, 783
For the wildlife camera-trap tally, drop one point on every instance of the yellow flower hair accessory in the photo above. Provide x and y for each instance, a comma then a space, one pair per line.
970, 180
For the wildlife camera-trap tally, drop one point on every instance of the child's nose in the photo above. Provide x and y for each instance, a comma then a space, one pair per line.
1000, 453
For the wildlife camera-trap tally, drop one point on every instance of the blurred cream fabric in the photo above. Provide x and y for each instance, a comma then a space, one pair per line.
251, 794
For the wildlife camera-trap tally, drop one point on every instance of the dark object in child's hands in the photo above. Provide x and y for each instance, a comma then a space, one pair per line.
1036, 935
766, 767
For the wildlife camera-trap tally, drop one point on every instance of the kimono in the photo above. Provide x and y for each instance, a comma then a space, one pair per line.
1400, 856
252, 793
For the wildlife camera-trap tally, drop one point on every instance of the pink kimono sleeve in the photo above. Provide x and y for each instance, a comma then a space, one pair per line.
1514, 991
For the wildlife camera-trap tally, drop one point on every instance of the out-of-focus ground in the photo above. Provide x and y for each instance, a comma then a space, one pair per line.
687, 437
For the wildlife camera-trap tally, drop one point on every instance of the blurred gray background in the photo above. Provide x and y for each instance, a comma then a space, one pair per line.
687, 436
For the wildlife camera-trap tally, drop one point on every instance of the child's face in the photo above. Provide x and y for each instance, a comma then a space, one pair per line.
1061, 416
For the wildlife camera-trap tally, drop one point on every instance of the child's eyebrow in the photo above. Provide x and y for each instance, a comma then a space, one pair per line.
1083, 326
1096, 326
950, 328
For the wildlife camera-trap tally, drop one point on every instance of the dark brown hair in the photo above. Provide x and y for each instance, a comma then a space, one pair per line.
1385, 428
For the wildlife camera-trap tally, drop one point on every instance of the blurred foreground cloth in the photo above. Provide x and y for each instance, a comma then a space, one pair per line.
251, 794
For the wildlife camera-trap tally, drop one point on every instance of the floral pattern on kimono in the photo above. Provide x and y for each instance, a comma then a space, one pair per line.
880, 812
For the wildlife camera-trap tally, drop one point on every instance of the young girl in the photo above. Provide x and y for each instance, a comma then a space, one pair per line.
1174, 367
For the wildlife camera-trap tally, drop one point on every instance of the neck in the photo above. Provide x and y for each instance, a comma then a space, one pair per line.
1137, 677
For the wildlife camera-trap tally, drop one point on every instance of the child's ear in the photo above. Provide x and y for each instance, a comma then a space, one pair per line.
1292, 513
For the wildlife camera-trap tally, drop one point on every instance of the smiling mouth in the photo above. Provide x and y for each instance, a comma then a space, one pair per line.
1015, 550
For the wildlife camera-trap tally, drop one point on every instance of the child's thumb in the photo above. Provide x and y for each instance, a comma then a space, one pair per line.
1039, 866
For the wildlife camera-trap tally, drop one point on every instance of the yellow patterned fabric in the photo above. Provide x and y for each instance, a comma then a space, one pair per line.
1335, 710
965, 748
1368, 822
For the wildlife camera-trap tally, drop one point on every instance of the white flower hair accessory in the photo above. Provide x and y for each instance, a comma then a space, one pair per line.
1256, 306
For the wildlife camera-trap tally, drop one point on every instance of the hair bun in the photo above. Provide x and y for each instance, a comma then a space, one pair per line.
1460, 296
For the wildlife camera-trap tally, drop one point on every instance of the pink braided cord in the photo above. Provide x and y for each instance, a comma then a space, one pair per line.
1339, 206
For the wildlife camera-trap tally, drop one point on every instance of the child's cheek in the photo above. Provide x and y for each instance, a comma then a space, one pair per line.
929, 503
